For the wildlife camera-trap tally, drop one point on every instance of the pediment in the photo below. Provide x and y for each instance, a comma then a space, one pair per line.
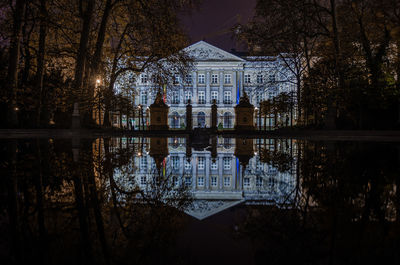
203, 51
201, 209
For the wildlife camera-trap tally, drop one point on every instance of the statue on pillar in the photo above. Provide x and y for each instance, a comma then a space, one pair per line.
244, 114
159, 114
189, 119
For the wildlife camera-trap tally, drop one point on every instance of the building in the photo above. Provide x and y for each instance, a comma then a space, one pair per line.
216, 183
221, 76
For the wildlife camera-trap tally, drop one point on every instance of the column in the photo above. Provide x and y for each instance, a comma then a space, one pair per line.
220, 173
221, 88
194, 95
194, 170
207, 167
235, 82
181, 163
208, 87
181, 97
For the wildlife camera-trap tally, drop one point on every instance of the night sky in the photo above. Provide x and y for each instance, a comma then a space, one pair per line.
214, 19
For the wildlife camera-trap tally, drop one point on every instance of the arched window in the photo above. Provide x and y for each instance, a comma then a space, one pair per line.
201, 120
227, 120
175, 121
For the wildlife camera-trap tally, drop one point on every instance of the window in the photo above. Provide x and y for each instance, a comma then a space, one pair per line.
143, 163
175, 162
227, 78
272, 78
188, 165
201, 163
188, 97
246, 182
227, 143
259, 79
259, 182
177, 79
259, 97
143, 78
227, 163
214, 182
259, 165
214, 79
247, 79
188, 181
227, 121
200, 181
202, 79
214, 165
175, 98
176, 181
143, 97
188, 79
214, 95
143, 180
227, 97
227, 181
202, 97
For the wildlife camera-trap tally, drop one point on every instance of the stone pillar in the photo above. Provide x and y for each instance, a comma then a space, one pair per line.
244, 114
181, 97
208, 88
189, 117
158, 114
76, 119
214, 116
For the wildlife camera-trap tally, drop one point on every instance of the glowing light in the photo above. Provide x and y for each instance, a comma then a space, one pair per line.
98, 81
16, 109
139, 154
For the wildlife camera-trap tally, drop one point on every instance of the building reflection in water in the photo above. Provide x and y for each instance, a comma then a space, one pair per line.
220, 173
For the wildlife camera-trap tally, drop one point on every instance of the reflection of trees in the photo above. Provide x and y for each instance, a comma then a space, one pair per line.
347, 211
61, 210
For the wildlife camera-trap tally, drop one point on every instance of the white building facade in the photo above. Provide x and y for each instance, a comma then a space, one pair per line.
221, 76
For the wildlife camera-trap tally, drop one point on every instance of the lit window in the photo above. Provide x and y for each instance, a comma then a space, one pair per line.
189, 79
259, 79
143, 162
175, 162
227, 163
188, 181
177, 79
272, 78
202, 97
259, 165
143, 78
176, 181
214, 95
227, 181
227, 97
259, 182
202, 79
213, 181
214, 165
200, 181
143, 97
188, 165
143, 180
247, 79
175, 98
201, 163
246, 182
259, 97
188, 96
214, 79
227, 78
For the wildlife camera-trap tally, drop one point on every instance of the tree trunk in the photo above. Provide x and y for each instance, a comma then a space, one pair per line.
12, 75
42, 115
82, 51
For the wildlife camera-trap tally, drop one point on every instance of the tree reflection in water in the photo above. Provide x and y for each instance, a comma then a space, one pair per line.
80, 202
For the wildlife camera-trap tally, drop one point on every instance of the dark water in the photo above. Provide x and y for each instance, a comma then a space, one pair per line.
209, 201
